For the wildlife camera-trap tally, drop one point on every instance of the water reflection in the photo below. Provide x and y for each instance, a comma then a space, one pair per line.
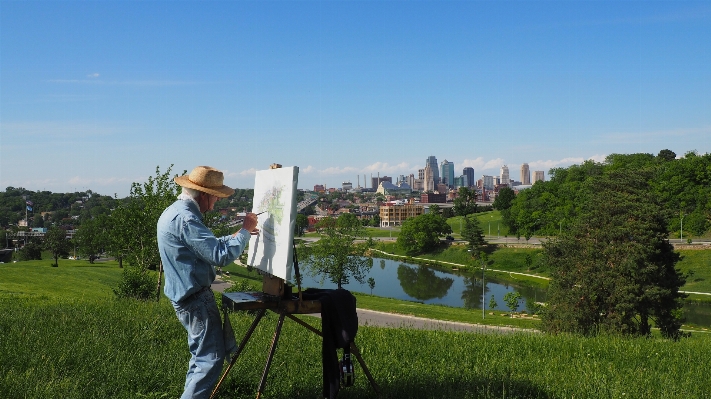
421, 283
472, 293
460, 288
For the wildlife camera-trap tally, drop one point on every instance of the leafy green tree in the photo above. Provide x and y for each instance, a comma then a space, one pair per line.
614, 269
492, 303
93, 236
134, 233
422, 233
340, 253
504, 199
134, 221
465, 203
302, 223
56, 242
473, 233
666, 155
371, 284
37, 221
375, 221
528, 261
31, 251
512, 300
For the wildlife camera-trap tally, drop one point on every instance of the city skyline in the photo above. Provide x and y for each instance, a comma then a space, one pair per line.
96, 95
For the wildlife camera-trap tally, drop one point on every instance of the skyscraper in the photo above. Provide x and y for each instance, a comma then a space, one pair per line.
525, 174
432, 161
469, 173
505, 176
538, 176
429, 184
447, 173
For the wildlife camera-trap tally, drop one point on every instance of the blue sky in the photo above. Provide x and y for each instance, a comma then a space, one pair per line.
95, 95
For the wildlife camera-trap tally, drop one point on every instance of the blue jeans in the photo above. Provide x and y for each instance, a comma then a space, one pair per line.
201, 319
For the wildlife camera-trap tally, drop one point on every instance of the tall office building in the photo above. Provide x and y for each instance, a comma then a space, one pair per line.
429, 184
469, 173
525, 175
432, 161
505, 176
538, 176
488, 182
447, 173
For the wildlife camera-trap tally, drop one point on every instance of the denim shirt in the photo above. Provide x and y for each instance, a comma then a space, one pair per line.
188, 250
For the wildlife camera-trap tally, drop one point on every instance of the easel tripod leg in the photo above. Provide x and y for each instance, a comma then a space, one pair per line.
239, 349
356, 352
275, 340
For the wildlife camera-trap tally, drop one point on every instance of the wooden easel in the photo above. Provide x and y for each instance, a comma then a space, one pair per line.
276, 297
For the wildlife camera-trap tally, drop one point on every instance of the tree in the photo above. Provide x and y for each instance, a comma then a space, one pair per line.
93, 236
492, 303
31, 251
613, 269
134, 233
512, 300
504, 199
666, 155
55, 241
340, 253
528, 261
375, 221
422, 233
302, 223
371, 284
465, 203
473, 233
134, 221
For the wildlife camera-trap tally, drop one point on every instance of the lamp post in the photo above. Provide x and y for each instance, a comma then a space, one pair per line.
483, 286
681, 236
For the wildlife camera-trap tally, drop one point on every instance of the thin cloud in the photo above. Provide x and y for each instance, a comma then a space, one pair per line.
494, 163
384, 167
99, 181
248, 172
92, 75
94, 80
550, 164
334, 170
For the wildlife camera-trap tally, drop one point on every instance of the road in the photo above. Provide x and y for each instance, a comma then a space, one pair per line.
382, 319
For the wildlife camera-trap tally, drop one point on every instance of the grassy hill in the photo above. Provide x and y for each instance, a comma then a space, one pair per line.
65, 336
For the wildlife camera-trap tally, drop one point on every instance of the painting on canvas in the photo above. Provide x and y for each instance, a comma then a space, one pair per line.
274, 194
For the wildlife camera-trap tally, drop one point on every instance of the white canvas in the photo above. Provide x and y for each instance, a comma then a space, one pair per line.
274, 194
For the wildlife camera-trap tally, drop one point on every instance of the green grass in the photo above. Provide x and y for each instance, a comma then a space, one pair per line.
64, 336
71, 280
490, 221
101, 349
698, 262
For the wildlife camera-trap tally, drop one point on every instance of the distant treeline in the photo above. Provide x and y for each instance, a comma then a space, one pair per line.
681, 185
71, 209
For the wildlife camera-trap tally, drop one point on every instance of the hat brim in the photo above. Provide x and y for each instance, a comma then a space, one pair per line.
222, 192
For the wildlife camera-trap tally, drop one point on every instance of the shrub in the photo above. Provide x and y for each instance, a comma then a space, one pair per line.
136, 283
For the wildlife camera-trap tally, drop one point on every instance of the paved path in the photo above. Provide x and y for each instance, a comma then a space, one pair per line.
383, 319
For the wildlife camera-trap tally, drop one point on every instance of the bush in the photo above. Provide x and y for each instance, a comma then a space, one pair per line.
31, 251
136, 283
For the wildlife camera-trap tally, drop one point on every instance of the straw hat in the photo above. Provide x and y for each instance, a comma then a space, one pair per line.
206, 179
